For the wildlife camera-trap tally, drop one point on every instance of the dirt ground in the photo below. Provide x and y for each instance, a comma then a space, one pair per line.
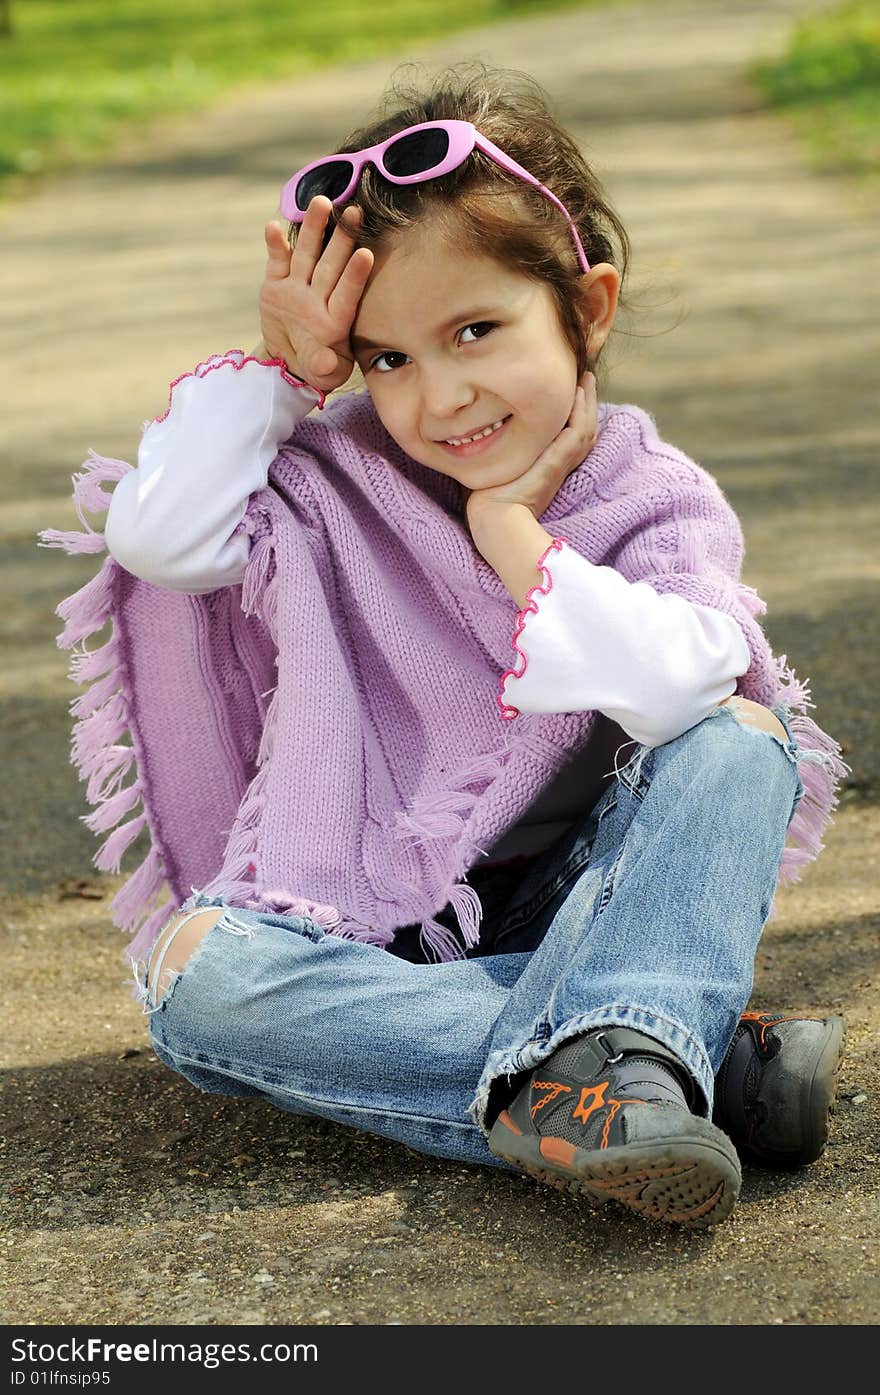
129, 1197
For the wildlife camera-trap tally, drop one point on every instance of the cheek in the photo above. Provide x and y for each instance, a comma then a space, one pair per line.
388, 410
400, 425
541, 389
543, 403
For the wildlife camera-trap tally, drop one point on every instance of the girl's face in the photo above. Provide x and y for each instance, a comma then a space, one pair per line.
450, 344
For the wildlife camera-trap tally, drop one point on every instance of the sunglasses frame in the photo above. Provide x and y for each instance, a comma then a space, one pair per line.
463, 139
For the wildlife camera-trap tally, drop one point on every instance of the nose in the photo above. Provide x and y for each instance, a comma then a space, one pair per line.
446, 391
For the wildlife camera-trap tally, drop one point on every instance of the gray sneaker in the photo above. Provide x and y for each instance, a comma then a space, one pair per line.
608, 1115
777, 1087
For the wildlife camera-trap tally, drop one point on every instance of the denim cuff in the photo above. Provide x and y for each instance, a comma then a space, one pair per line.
671, 1034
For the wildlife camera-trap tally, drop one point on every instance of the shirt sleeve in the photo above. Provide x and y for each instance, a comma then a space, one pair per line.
173, 520
588, 639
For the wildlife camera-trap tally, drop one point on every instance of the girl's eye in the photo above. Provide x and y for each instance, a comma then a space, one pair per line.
484, 326
387, 357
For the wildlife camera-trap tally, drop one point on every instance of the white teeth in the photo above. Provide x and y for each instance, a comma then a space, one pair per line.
466, 440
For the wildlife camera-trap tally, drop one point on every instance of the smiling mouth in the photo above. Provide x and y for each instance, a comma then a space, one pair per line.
475, 435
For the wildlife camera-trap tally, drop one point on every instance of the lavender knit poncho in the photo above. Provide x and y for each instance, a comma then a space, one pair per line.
327, 738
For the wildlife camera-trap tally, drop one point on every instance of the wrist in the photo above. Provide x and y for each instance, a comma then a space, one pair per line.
512, 541
489, 515
264, 351
291, 374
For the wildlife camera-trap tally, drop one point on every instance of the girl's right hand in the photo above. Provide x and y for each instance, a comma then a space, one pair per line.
309, 299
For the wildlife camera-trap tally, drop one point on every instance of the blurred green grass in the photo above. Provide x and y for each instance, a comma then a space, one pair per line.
74, 74
829, 83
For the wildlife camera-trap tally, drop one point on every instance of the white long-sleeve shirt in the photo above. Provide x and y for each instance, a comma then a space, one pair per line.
654, 665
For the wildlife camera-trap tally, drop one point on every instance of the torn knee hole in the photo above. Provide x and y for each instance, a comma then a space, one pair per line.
755, 715
175, 946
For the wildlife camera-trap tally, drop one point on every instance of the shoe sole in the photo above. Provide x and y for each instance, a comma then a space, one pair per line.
817, 1104
687, 1182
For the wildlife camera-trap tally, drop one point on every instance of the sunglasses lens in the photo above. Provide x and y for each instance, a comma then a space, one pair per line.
418, 152
330, 179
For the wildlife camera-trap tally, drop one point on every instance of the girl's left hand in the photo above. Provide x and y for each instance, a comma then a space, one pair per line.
540, 484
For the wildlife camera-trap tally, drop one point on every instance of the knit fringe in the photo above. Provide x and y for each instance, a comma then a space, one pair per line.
259, 591
442, 816
111, 810
88, 497
468, 911
349, 929
102, 716
751, 600
96, 696
134, 900
109, 855
105, 776
89, 541
100, 728
445, 814
439, 942
286, 903
87, 610
239, 870
149, 932
820, 768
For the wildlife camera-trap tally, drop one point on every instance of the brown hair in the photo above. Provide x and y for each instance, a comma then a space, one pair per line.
491, 212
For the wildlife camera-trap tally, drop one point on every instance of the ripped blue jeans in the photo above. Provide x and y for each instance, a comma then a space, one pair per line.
647, 914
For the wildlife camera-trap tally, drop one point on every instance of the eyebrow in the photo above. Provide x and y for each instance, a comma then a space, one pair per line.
359, 343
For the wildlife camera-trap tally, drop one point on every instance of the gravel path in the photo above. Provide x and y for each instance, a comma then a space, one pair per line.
130, 1197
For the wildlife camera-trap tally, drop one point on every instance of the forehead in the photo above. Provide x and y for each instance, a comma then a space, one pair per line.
420, 276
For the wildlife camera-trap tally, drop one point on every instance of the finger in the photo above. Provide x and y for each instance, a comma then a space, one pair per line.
591, 402
588, 383
346, 296
576, 415
310, 239
278, 249
586, 422
584, 412
578, 433
338, 251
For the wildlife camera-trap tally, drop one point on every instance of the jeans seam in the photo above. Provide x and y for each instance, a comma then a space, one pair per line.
610, 878
637, 784
574, 864
263, 1083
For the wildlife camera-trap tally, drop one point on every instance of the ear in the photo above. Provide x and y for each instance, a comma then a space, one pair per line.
600, 288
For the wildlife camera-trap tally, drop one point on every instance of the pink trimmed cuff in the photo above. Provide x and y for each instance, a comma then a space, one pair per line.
541, 588
238, 359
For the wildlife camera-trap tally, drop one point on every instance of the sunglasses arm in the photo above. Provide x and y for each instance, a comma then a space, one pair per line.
512, 167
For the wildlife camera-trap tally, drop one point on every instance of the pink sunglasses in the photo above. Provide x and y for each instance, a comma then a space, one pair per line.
420, 152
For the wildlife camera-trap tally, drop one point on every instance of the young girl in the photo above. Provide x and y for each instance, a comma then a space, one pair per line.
464, 759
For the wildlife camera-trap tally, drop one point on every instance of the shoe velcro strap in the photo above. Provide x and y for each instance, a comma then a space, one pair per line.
640, 1078
624, 1041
